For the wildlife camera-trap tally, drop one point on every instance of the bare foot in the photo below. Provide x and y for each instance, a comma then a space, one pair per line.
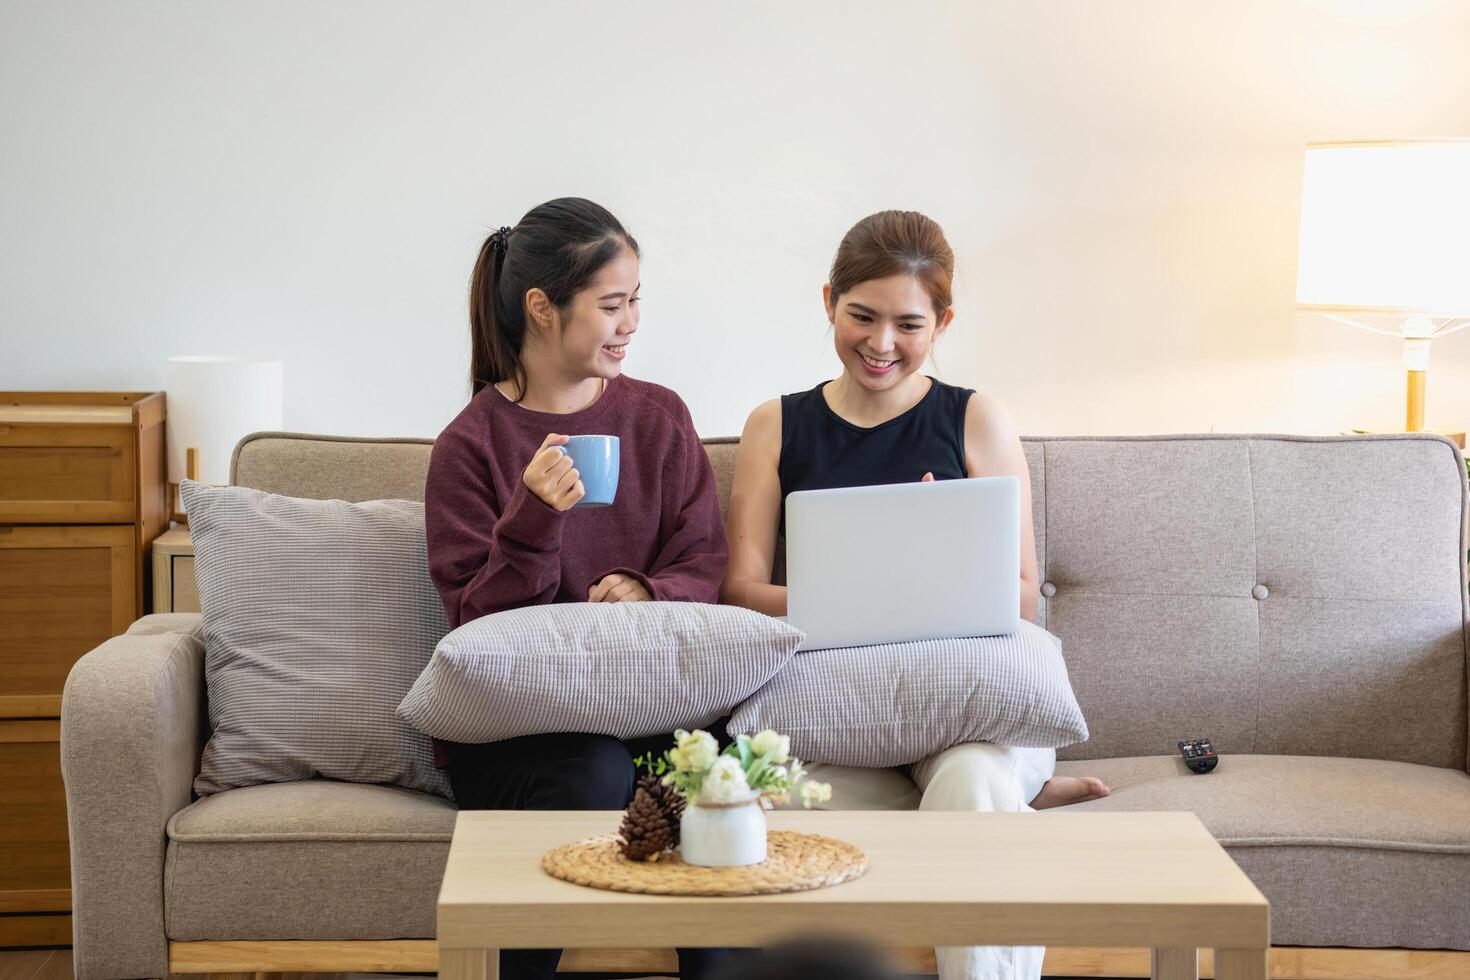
1062, 790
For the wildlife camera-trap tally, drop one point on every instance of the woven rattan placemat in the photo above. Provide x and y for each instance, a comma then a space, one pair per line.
795, 862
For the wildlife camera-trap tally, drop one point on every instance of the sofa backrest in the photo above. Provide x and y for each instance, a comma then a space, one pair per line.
1285, 595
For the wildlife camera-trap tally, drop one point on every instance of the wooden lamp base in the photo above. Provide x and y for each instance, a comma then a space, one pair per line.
1414, 409
191, 472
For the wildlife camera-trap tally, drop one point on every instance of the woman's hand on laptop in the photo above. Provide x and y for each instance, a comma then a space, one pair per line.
928, 478
618, 588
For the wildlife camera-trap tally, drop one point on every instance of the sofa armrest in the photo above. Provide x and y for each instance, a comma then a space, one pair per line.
133, 717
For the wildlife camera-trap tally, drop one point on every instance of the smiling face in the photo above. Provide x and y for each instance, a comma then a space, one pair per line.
883, 329
598, 322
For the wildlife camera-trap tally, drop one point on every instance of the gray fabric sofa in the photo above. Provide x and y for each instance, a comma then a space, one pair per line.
1300, 601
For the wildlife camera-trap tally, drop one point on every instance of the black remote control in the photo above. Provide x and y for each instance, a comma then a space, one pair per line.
1199, 754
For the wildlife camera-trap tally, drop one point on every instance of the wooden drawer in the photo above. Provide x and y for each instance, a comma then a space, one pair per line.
35, 930
174, 586
68, 474
35, 868
63, 590
185, 587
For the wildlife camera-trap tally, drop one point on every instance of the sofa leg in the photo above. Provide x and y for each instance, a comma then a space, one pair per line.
1240, 964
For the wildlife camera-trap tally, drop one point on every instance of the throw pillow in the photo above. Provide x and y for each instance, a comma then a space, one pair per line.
895, 703
626, 669
317, 615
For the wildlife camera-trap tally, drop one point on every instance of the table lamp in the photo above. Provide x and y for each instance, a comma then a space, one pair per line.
212, 402
1386, 233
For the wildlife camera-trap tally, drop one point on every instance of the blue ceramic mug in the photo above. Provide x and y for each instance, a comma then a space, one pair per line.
596, 458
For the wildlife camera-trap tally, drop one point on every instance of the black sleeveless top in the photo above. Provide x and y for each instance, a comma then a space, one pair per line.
821, 450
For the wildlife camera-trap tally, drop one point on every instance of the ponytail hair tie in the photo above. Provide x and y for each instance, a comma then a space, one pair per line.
500, 239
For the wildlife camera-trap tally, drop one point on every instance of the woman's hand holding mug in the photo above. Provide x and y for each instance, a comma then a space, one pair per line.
552, 477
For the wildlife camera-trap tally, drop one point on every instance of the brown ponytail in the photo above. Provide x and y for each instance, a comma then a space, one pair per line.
892, 243
558, 247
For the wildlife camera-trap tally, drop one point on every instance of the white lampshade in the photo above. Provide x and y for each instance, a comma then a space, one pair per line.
212, 402
1386, 229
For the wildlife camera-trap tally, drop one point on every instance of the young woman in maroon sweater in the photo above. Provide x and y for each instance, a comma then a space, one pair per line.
553, 306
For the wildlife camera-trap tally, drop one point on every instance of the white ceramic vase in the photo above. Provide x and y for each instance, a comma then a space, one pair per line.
723, 835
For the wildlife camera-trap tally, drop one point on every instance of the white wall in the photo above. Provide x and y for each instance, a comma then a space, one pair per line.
310, 181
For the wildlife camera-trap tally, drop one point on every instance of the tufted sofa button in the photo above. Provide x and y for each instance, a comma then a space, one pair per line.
1048, 590
1260, 592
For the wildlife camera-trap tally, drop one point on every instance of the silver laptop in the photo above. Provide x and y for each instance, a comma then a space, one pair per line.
911, 561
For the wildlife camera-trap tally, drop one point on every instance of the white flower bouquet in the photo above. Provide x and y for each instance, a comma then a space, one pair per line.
751, 767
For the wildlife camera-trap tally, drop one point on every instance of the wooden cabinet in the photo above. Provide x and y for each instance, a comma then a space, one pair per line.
81, 500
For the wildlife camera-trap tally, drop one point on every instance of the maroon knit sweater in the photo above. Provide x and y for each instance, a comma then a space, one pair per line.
494, 545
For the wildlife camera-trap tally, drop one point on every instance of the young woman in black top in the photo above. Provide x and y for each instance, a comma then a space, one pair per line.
883, 421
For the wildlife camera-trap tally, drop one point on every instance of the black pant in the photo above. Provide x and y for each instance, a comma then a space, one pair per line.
556, 772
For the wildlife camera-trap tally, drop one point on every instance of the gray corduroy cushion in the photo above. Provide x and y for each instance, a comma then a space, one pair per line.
311, 860
626, 669
1350, 852
318, 615
895, 703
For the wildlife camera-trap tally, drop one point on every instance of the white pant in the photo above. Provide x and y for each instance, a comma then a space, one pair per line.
974, 776
991, 778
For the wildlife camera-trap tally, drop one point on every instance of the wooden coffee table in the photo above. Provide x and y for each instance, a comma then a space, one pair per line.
934, 879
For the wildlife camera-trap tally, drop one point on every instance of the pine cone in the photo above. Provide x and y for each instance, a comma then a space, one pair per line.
669, 798
651, 823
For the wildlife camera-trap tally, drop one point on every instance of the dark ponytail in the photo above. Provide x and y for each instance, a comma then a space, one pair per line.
493, 356
558, 247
